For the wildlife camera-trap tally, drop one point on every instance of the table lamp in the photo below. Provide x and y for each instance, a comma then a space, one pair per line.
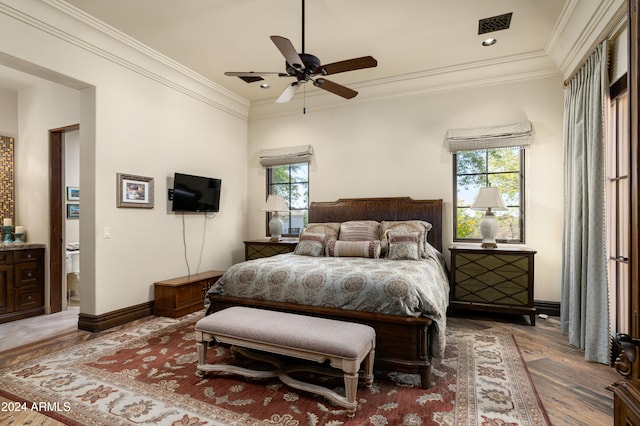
489, 199
275, 203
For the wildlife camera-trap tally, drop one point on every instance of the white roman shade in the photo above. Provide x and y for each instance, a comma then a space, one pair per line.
505, 136
288, 155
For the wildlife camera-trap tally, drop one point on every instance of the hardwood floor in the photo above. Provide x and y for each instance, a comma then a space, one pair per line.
572, 390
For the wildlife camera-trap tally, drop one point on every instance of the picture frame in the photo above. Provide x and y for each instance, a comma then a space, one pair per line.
73, 193
73, 211
134, 191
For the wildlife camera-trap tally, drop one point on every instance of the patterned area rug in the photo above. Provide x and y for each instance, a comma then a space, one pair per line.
146, 375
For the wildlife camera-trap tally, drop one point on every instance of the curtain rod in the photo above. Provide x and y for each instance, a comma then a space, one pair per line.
617, 27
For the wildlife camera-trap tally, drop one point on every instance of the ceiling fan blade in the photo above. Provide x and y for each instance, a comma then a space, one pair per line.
335, 88
350, 65
289, 52
254, 74
288, 93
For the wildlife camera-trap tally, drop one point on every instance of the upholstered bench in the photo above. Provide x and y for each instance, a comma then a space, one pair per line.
343, 344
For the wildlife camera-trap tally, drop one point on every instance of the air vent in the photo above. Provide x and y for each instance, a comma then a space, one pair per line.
250, 78
495, 23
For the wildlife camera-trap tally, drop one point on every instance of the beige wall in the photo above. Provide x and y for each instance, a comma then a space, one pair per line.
137, 116
395, 147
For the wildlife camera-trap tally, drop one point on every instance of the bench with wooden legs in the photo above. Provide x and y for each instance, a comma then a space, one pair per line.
344, 345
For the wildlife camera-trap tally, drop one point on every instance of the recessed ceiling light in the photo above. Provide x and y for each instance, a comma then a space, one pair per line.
489, 42
265, 86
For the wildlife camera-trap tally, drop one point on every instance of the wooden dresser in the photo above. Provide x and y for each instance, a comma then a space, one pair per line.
492, 280
21, 281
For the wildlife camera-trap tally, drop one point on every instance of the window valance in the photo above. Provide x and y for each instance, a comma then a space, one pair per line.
288, 155
504, 136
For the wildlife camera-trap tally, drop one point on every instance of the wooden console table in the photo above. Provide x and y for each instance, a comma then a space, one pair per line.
180, 296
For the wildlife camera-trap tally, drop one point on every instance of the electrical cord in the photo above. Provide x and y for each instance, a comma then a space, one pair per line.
184, 242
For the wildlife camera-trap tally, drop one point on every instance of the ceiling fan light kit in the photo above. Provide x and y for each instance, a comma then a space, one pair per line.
306, 67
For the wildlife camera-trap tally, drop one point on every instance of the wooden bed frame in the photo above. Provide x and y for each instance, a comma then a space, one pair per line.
403, 343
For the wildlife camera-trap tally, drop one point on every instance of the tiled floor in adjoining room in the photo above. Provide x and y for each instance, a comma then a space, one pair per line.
29, 330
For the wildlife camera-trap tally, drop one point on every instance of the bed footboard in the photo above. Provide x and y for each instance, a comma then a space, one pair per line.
402, 343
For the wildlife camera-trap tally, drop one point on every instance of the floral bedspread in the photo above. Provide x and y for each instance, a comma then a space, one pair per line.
397, 287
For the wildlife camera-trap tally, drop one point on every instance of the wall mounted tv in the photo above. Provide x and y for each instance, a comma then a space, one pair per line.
195, 193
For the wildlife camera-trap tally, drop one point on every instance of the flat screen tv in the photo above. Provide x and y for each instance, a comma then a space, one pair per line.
195, 193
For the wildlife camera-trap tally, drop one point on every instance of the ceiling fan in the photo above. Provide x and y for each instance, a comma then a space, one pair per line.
305, 67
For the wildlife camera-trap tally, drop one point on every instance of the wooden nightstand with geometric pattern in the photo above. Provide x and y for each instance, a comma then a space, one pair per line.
492, 279
256, 249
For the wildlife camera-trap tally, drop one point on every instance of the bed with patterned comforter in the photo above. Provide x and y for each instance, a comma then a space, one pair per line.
397, 287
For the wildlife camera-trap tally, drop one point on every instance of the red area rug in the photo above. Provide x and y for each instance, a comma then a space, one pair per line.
146, 375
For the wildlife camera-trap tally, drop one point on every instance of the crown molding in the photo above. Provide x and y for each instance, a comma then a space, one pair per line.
580, 28
504, 70
125, 52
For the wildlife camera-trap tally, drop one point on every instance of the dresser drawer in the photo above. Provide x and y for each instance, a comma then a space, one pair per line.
27, 274
6, 257
257, 249
28, 297
26, 255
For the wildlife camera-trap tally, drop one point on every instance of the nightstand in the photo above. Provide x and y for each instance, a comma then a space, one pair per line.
255, 249
492, 279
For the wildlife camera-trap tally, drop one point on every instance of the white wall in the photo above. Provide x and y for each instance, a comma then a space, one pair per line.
138, 116
9, 113
395, 147
71, 178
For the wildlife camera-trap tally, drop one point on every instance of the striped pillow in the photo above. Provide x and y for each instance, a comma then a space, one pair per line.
404, 245
310, 244
359, 230
337, 248
330, 229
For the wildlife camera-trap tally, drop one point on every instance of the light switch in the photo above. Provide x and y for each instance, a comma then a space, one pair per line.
107, 232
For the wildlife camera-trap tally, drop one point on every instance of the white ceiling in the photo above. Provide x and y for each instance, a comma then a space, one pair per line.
405, 36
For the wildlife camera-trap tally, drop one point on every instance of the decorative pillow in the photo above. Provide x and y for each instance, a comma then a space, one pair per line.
359, 230
338, 248
404, 226
404, 245
330, 229
310, 244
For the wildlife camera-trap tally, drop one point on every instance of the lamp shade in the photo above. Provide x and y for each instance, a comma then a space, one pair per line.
275, 203
489, 198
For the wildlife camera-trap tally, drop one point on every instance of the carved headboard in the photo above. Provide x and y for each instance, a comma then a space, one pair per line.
396, 208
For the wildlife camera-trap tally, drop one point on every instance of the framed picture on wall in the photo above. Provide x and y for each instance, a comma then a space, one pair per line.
134, 191
73, 193
73, 211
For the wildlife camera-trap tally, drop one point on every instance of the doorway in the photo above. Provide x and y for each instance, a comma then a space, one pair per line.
57, 197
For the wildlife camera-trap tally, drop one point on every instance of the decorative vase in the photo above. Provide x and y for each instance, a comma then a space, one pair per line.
7, 230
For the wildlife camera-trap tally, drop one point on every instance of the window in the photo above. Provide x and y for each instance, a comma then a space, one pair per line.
292, 182
501, 167
618, 206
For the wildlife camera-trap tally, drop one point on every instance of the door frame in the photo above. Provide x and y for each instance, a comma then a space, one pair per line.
56, 216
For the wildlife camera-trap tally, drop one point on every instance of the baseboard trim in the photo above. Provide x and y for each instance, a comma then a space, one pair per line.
97, 323
549, 308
